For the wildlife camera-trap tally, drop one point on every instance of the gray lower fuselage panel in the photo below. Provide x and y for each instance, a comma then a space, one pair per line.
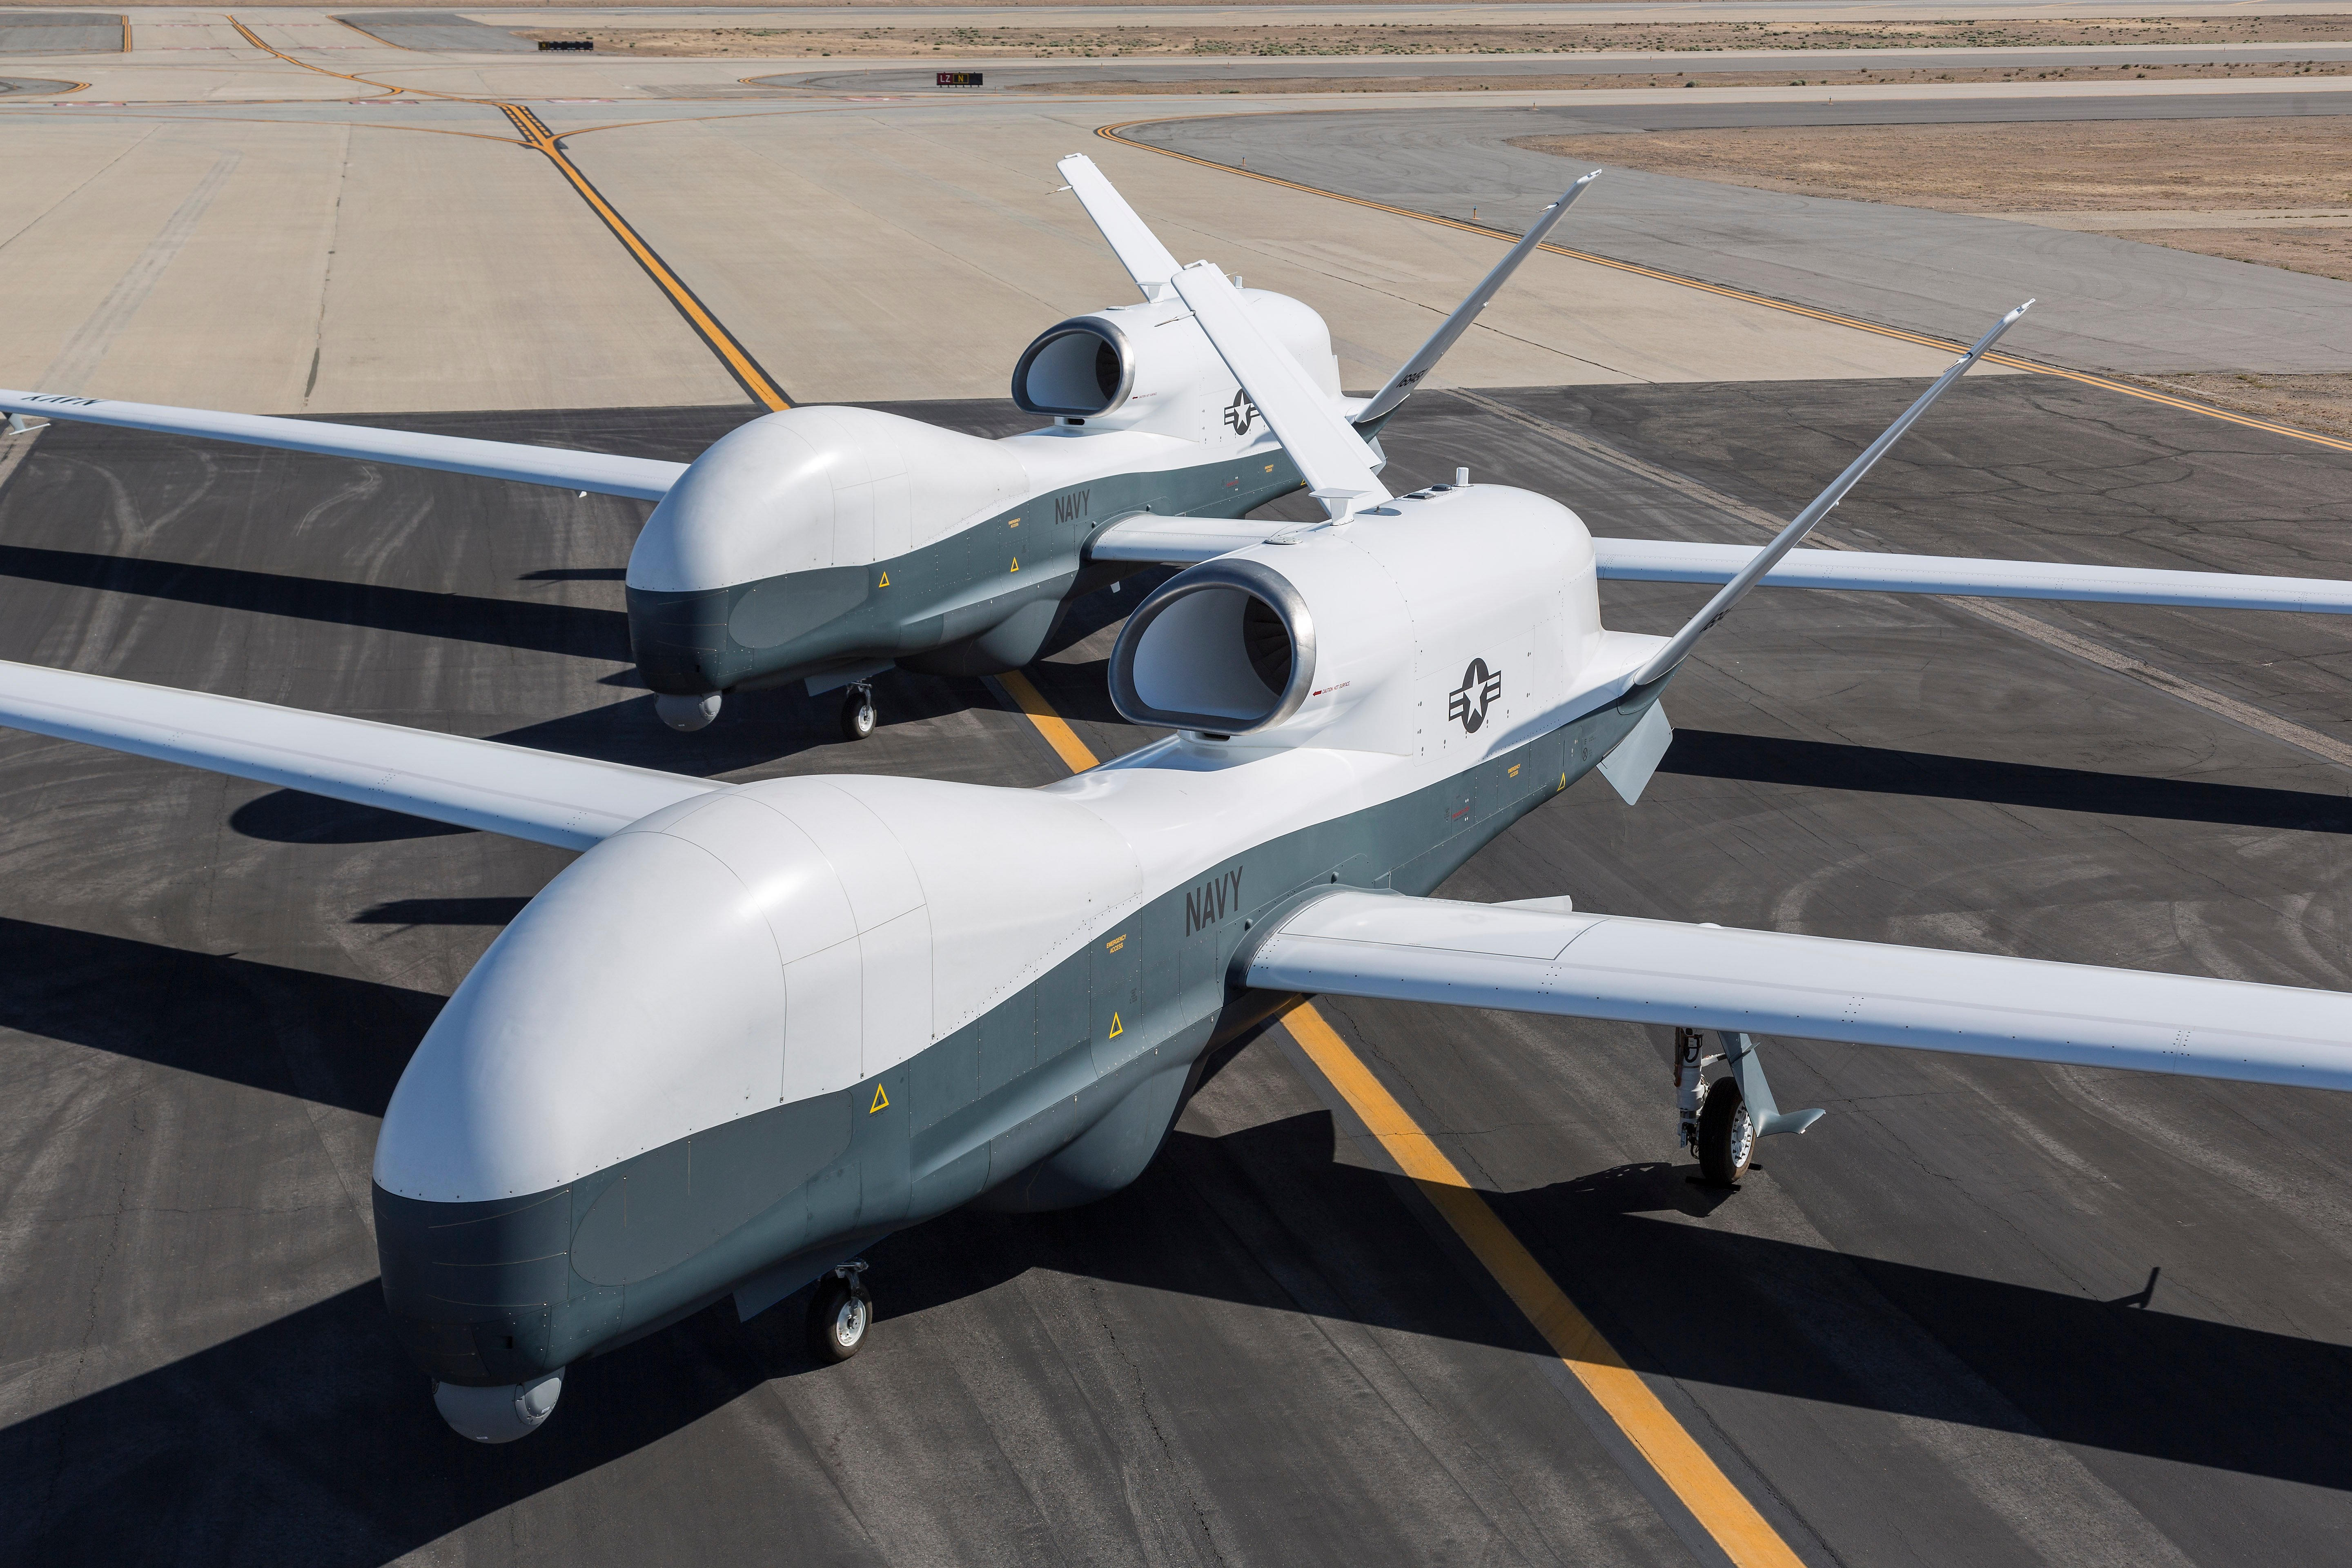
1059, 1095
979, 602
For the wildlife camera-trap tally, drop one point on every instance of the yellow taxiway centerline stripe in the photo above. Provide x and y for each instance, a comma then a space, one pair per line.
1718, 1505
1714, 1501
1833, 317
1050, 724
540, 139
733, 355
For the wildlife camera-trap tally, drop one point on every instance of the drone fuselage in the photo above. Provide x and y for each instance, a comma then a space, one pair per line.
824, 543
741, 1038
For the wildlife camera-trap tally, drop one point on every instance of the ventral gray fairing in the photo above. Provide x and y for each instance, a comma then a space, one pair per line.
822, 545
754, 1027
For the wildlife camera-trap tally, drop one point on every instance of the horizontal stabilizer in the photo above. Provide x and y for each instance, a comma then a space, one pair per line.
1711, 614
1357, 943
1131, 240
1415, 371
641, 479
569, 802
1336, 464
1670, 560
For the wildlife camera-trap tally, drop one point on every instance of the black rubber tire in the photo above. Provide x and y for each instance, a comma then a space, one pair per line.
835, 1332
1727, 1135
856, 716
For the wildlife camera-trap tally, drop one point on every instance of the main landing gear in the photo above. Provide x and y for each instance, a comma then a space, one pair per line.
840, 1313
858, 714
1722, 1120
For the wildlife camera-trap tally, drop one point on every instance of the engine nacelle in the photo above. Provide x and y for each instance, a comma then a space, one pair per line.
1148, 367
1385, 634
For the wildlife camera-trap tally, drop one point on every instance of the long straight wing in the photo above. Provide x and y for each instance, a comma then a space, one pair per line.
569, 802
1329, 452
643, 478
1673, 560
1658, 972
1131, 240
1679, 646
1410, 374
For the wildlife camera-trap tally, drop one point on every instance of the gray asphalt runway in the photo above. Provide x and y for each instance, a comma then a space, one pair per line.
1019, 73
1927, 1332
440, 30
10, 84
60, 33
2105, 303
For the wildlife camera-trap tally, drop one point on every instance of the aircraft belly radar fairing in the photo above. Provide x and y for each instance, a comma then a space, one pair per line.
824, 546
755, 1027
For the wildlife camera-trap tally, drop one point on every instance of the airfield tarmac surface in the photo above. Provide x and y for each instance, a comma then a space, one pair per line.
1982, 1314
2105, 302
1927, 1331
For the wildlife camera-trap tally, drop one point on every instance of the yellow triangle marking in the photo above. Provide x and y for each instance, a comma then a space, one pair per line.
881, 1100
886, 581
1016, 563
1115, 1028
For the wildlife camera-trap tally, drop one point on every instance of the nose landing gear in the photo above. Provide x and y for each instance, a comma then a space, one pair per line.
840, 1313
858, 711
1722, 1120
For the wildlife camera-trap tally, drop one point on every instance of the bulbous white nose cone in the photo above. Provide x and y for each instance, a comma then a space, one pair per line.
637, 1001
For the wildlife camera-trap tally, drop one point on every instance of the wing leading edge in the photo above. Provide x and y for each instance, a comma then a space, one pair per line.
1673, 560
569, 802
1528, 960
601, 473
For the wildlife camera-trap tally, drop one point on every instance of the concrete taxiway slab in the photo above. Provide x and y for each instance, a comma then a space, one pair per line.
280, 268
859, 252
927, 250
1929, 1327
61, 32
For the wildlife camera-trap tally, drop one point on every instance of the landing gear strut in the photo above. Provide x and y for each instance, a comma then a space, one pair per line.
1722, 1120
858, 711
840, 1313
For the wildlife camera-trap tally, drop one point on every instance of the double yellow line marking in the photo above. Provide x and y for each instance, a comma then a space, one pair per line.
536, 136
723, 343
1694, 1479
2035, 367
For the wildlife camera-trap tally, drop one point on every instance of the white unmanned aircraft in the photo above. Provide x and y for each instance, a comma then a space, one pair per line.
822, 545
754, 1027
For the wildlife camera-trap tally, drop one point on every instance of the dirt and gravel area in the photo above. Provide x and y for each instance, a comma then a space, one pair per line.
1500, 38
2223, 173
1570, 81
2321, 403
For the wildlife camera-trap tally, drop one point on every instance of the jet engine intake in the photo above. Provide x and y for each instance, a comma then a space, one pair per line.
1226, 648
1078, 369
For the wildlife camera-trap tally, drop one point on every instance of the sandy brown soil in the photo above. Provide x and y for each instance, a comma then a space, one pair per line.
1535, 81
2142, 165
2321, 403
1500, 38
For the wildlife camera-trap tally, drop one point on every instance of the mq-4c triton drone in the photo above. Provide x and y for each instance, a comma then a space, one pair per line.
754, 1027
825, 545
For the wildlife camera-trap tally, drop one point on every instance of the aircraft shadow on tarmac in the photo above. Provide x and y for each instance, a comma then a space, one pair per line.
1820, 764
578, 630
310, 1429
